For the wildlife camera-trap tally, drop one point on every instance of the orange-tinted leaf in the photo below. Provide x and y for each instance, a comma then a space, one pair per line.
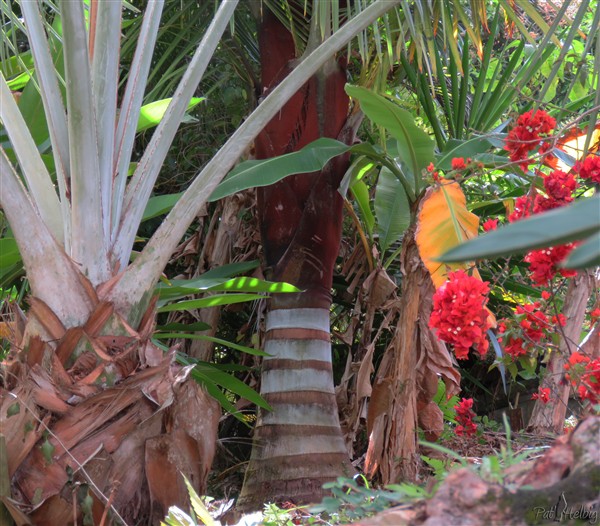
573, 144
443, 223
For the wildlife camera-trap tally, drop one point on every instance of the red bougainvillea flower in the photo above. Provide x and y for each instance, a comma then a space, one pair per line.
595, 315
589, 168
458, 163
584, 375
523, 208
526, 135
543, 263
464, 417
560, 185
546, 295
532, 320
543, 395
459, 313
515, 347
490, 224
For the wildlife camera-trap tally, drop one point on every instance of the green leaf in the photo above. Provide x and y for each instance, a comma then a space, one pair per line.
151, 114
178, 288
360, 190
219, 341
13, 410
249, 174
391, 209
160, 205
455, 148
246, 284
47, 450
176, 517
198, 506
210, 301
231, 383
573, 222
9, 252
414, 145
189, 327
586, 255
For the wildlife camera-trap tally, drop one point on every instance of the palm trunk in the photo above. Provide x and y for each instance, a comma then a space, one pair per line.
298, 446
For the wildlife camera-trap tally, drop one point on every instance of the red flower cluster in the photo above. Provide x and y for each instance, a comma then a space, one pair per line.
490, 224
543, 395
526, 135
589, 168
584, 375
532, 320
464, 417
559, 186
459, 313
543, 263
530, 327
458, 163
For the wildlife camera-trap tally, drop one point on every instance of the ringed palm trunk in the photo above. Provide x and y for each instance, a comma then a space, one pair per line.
299, 445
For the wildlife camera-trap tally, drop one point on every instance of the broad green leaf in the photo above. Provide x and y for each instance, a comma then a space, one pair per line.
218, 341
391, 209
414, 145
9, 252
443, 222
151, 114
249, 174
556, 227
160, 204
210, 301
455, 148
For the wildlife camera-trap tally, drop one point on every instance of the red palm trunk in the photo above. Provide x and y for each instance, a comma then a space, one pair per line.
299, 445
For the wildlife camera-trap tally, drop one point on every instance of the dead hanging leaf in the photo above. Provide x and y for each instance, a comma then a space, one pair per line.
379, 286
431, 420
363, 379
443, 223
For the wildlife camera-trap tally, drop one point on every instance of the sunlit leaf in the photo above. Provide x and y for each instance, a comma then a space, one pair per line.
151, 114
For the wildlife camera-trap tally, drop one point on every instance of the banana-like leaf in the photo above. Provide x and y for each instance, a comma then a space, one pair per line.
391, 208
151, 114
313, 157
556, 227
444, 222
414, 145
